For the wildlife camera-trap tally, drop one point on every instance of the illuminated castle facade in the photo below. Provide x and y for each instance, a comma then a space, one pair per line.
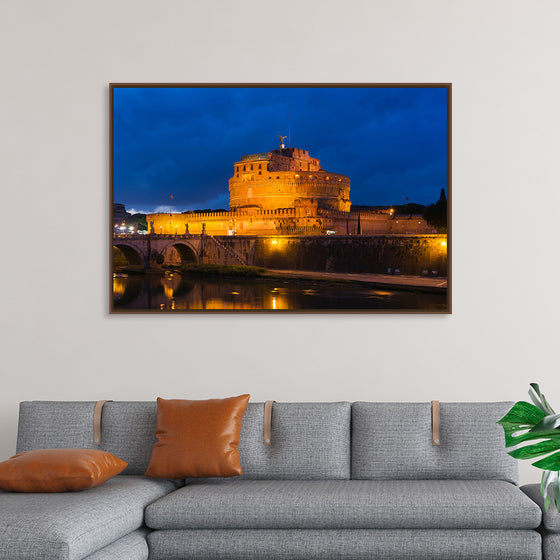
286, 192
286, 178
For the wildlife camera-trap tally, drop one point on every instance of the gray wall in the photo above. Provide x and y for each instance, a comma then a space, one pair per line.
57, 340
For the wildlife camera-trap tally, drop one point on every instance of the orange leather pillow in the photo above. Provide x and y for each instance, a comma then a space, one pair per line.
58, 470
197, 438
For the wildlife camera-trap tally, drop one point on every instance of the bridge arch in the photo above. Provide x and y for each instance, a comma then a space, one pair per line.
180, 251
133, 256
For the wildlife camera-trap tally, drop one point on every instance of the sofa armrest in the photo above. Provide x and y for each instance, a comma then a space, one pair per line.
551, 518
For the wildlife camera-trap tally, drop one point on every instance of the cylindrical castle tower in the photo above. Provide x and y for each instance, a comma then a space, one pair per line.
279, 178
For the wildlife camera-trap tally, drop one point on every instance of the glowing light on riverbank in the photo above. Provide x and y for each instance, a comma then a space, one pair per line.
277, 244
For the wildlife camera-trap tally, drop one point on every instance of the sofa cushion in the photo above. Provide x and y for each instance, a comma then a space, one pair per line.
310, 441
130, 547
551, 546
51, 424
345, 504
127, 428
551, 518
58, 470
394, 441
356, 544
197, 438
72, 525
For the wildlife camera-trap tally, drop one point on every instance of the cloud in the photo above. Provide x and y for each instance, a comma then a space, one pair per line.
153, 210
220, 202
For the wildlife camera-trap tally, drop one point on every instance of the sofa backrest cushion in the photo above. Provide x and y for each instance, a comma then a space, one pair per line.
394, 441
127, 428
309, 440
46, 424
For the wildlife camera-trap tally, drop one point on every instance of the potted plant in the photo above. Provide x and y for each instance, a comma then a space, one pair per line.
533, 430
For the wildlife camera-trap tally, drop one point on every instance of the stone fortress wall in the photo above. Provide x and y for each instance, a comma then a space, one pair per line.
280, 178
284, 221
286, 192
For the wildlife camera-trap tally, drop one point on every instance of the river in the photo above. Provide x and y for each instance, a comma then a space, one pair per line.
175, 292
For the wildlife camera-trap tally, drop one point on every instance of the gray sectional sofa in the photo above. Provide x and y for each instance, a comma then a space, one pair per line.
339, 481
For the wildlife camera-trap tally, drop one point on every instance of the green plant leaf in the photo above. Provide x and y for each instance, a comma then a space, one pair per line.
512, 440
522, 414
519, 420
539, 399
524, 423
550, 463
549, 422
535, 450
547, 478
556, 490
551, 479
553, 496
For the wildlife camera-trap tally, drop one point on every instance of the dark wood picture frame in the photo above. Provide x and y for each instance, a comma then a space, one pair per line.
174, 266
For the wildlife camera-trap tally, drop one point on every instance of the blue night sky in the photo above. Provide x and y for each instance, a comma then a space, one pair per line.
391, 142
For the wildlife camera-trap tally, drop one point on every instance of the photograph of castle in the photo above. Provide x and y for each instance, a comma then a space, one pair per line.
280, 198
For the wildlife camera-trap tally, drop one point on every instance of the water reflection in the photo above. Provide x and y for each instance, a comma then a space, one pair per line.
119, 285
174, 291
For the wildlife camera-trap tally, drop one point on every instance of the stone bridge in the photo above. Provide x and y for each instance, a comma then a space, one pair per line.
142, 251
394, 254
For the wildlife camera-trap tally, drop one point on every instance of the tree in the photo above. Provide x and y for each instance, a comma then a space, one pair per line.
436, 214
140, 221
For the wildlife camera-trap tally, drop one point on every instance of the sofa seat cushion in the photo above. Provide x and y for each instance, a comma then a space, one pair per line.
345, 504
73, 525
551, 546
133, 546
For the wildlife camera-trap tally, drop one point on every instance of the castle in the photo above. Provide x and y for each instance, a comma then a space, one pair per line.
287, 192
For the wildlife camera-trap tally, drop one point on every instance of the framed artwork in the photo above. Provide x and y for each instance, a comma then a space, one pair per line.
280, 198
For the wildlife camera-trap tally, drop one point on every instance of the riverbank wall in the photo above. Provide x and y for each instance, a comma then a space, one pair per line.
417, 255
382, 254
